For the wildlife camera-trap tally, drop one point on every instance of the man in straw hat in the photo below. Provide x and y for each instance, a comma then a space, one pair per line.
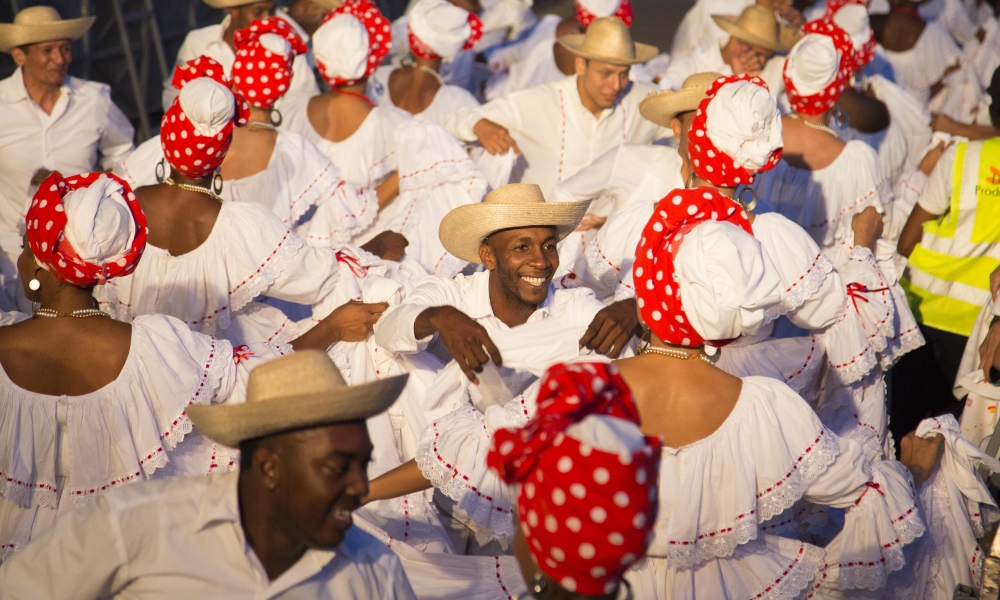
513, 233
278, 528
561, 127
51, 122
754, 36
217, 41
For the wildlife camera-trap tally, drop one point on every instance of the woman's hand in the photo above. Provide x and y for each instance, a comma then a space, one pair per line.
867, 226
920, 455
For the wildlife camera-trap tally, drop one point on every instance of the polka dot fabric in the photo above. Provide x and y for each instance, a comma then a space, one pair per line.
191, 154
586, 514
379, 37
819, 103
656, 287
865, 54
710, 163
585, 17
258, 73
45, 224
419, 48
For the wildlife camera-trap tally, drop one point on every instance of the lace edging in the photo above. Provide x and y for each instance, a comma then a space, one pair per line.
269, 270
354, 224
801, 574
803, 289
908, 342
27, 494
603, 270
687, 555
807, 468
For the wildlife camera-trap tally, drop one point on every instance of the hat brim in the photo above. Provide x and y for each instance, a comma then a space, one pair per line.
662, 107
463, 230
728, 23
13, 35
229, 3
231, 424
574, 43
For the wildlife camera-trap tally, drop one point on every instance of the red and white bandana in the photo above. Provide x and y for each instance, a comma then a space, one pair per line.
819, 102
761, 144
439, 29
264, 55
86, 229
195, 145
858, 28
342, 58
586, 512
657, 289
588, 10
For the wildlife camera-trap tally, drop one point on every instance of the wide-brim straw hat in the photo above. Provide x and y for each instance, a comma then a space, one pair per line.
41, 24
513, 206
661, 107
758, 26
608, 40
301, 390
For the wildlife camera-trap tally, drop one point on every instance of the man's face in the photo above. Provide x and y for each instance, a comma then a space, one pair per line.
602, 81
244, 16
681, 124
750, 57
473, 6
524, 260
47, 62
322, 478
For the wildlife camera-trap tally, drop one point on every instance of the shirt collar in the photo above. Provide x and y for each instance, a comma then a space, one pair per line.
13, 90
479, 306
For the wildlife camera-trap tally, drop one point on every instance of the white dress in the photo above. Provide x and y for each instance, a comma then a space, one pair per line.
447, 100
59, 451
435, 176
923, 65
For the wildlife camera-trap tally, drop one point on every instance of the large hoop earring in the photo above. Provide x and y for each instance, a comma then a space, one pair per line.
276, 123
842, 118
689, 182
217, 182
747, 206
35, 285
161, 170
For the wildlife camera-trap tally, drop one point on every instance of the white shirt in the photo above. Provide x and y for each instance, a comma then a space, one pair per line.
208, 41
555, 133
182, 538
84, 123
936, 197
447, 100
707, 58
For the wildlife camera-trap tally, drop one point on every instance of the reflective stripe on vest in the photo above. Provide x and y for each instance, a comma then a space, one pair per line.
948, 279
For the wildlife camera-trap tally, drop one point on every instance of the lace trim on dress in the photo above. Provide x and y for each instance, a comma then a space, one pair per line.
814, 460
603, 269
797, 576
908, 340
802, 289
517, 412
257, 283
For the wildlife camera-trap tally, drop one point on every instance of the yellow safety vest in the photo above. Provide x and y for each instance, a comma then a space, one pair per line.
949, 271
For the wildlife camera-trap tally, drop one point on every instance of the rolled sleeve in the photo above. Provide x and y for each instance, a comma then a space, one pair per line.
502, 111
936, 197
394, 331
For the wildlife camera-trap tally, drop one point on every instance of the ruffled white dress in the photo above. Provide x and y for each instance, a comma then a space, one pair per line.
435, 176
447, 100
923, 65
59, 451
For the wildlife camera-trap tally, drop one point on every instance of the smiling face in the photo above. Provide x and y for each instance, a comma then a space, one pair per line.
602, 82
523, 261
46, 62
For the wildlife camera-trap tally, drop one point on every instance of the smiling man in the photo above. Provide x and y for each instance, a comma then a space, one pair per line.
280, 528
561, 127
513, 233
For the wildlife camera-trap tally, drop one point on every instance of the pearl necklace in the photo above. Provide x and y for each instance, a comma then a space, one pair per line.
82, 313
263, 126
798, 117
409, 62
193, 188
679, 354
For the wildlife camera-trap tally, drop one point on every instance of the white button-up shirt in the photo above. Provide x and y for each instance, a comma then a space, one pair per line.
208, 41
84, 123
182, 538
557, 135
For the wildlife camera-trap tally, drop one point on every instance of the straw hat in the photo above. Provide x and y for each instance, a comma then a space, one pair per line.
758, 26
230, 3
608, 40
303, 389
661, 107
329, 4
41, 24
513, 206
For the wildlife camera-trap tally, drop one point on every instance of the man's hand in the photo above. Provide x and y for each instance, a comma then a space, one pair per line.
591, 221
466, 341
940, 122
387, 245
867, 226
40, 176
494, 138
930, 160
988, 349
747, 62
612, 328
920, 455
352, 322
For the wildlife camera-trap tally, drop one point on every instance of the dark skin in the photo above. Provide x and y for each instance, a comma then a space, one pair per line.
411, 88
867, 113
308, 14
241, 17
806, 147
44, 67
300, 489
899, 31
565, 60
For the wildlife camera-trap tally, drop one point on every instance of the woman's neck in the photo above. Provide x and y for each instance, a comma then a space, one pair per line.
203, 182
357, 88
259, 115
427, 63
65, 298
820, 119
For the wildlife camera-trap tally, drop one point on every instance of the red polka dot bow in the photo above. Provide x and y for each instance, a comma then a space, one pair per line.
656, 284
379, 38
423, 50
585, 512
585, 16
259, 73
188, 151
825, 99
709, 162
866, 53
46, 222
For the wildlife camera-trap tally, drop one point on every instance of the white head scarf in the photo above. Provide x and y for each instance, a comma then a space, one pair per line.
208, 104
441, 25
601, 8
99, 224
743, 121
342, 45
275, 43
853, 18
812, 64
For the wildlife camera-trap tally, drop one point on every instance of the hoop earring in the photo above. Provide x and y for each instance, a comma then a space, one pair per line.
276, 123
689, 182
752, 204
217, 182
161, 170
34, 285
841, 117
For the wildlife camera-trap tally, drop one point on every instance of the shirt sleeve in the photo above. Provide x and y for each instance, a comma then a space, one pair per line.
116, 138
81, 556
590, 182
504, 111
397, 583
936, 198
394, 331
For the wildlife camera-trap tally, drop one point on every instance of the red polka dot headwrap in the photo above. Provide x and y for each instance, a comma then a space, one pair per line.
86, 229
719, 167
262, 73
823, 100
339, 59
439, 29
194, 145
585, 512
657, 289
588, 10
857, 29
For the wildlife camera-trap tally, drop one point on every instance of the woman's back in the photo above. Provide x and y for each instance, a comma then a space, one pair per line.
336, 116
179, 221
